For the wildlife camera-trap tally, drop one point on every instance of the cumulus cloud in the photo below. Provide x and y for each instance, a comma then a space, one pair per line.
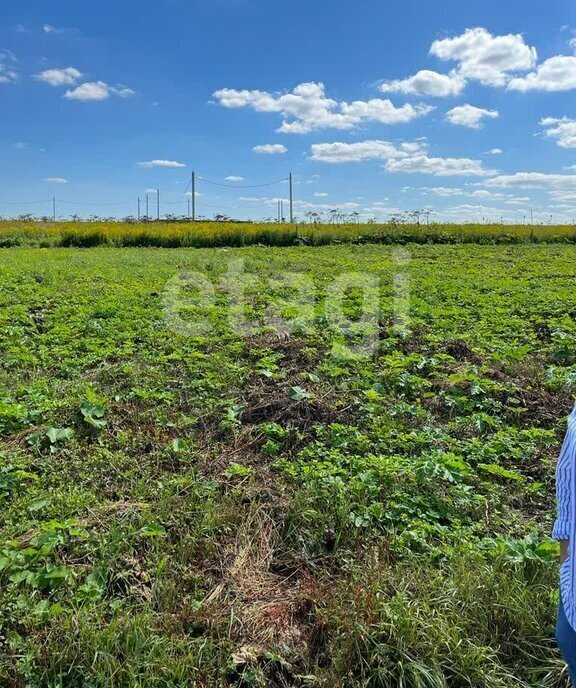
427, 83
56, 180
554, 74
403, 157
270, 149
439, 167
558, 186
339, 152
563, 130
234, 178
306, 108
97, 90
486, 58
469, 116
8, 71
498, 61
59, 77
91, 90
160, 163
48, 28
442, 191
446, 192
495, 151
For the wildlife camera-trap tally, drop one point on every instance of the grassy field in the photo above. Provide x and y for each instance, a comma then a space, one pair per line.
260, 510
214, 234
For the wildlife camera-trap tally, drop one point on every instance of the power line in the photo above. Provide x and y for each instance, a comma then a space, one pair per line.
243, 186
48, 200
87, 203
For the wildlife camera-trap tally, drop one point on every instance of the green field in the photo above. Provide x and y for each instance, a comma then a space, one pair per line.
213, 234
260, 509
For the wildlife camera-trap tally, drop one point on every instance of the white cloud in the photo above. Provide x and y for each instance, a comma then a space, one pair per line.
446, 192
56, 180
563, 130
486, 58
339, 152
560, 187
8, 71
48, 28
499, 61
270, 149
320, 194
554, 74
469, 116
439, 167
495, 151
404, 157
159, 163
306, 205
383, 111
306, 108
443, 191
427, 83
91, 90
234, 178
97, 90
122, 91
59, 77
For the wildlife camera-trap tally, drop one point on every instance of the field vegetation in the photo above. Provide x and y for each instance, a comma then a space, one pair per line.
259, 510
166, 234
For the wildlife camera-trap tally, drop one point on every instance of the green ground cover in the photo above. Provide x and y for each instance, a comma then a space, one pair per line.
165, 234
261, 510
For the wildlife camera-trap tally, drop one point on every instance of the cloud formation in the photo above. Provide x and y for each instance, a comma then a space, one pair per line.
270, 149
8, 71
563, 130
59, 77
469, 116
505, 61
409, 157
160, 163
554, 74
97, 90
486, 58
427, 83
439, 167
307, 109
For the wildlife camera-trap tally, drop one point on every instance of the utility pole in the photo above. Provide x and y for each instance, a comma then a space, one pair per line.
193, 196
158, 204
189, 211
54, 208
147, 209
138, 208
291, 200
281, 210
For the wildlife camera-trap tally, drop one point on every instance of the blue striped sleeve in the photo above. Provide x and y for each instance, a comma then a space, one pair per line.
564, 496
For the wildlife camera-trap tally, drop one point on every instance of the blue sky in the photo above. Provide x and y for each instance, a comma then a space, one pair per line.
468, 110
